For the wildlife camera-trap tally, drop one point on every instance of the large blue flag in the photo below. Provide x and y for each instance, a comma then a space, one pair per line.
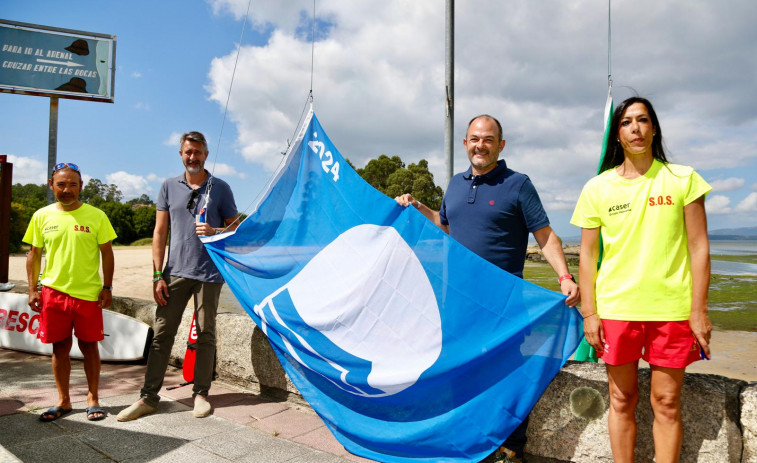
409, 346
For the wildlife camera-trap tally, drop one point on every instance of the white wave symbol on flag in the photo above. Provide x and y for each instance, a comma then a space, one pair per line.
368, 293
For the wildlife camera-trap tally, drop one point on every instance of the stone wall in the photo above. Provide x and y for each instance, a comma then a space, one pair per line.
569, 423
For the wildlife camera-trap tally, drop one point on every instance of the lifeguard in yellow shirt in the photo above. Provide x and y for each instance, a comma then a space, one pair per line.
74, 236
649, 297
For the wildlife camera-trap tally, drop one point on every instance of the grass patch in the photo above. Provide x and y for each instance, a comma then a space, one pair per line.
732, 299
142, 242
746, 258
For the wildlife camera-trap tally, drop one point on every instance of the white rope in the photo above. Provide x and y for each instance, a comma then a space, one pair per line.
609, 43
312, 53
308, 106
226, 107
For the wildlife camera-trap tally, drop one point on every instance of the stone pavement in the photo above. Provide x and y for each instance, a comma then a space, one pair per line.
244, 427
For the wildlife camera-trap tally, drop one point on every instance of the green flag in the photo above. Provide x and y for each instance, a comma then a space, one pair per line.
586, 353
606, 139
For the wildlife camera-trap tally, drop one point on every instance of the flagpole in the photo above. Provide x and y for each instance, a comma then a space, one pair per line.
450, 88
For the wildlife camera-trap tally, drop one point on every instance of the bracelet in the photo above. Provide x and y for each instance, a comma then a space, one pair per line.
593, 313
157, 279
417, 204
107, 288
157, 273
567, 276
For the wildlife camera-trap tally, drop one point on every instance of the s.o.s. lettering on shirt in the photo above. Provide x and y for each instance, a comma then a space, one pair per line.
661, 200
81, 228
619, 209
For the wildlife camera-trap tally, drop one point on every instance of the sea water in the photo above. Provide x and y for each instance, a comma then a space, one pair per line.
732, 248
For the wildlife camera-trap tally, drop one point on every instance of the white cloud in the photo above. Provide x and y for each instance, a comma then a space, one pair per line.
727, 184
379, 82
748, 204
28, 170
132, 186
173, 139
136, 74
225, 170
142, 105
718, 204
540, 68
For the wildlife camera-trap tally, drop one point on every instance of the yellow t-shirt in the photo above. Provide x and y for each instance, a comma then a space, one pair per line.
72, 243
645, 273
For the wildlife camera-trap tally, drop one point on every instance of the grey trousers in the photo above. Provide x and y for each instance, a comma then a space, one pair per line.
167, 321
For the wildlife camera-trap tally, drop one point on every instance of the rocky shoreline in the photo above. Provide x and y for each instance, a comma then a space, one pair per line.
534, 254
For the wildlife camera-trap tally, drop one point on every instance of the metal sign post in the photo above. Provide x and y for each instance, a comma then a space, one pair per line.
52, 145
6, 180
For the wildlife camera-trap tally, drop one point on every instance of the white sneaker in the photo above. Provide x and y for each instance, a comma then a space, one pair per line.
202, 407
136, 410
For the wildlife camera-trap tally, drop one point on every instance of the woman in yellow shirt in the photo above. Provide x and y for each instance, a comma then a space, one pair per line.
649, 297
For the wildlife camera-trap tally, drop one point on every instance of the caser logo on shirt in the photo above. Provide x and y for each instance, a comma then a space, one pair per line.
619, 209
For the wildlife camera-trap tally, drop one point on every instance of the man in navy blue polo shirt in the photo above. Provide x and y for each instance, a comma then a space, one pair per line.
491, 209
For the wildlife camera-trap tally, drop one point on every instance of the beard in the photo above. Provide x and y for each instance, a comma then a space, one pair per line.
66, 200
194, 168
482, 160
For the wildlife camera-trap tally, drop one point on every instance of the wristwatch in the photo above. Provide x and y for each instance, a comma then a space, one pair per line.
108, 288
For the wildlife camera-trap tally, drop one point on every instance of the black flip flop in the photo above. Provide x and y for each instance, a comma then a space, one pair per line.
53, 413
91, 411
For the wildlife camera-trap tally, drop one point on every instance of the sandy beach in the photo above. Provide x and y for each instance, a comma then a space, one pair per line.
733, 352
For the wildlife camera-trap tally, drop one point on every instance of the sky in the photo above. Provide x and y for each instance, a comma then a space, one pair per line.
378, 80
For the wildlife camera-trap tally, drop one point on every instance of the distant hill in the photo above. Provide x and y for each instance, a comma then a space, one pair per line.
742, 233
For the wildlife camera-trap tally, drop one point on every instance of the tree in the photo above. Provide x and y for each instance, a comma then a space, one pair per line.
92, 189
113, 194
32, 196
20, 216
144, 199
391, 177
144, 221
377, 171
121, 216
96, 193
25, 199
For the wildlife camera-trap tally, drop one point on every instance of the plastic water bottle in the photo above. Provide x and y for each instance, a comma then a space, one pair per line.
202, 217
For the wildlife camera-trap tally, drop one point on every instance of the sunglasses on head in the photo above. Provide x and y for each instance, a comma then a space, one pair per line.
193, 199
63, 165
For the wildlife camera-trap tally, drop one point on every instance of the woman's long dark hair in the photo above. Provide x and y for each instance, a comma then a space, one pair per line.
614, 156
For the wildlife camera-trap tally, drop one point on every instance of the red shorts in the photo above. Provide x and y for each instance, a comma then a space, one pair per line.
62, 314
663, 344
